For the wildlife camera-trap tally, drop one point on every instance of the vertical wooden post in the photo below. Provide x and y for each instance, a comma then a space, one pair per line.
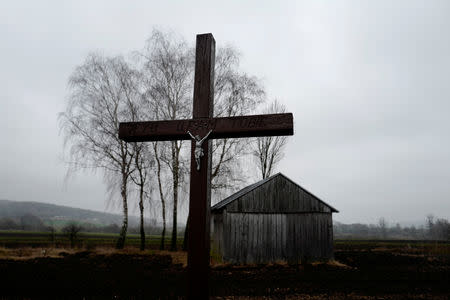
200, 191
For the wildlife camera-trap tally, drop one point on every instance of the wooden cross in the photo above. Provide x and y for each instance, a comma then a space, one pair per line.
201, 125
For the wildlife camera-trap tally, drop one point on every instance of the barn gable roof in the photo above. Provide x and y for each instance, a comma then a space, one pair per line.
222, 204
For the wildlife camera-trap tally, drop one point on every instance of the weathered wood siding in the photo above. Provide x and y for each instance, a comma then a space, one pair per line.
217, 235
278, 195
261, 238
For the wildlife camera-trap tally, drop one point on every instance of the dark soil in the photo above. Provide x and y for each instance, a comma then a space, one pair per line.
86, 275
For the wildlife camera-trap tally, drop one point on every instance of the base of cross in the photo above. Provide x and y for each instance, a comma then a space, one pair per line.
204, 125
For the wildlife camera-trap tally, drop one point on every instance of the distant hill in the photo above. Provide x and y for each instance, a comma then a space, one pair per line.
47, 212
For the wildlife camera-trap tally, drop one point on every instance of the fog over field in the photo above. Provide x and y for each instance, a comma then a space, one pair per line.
366, 81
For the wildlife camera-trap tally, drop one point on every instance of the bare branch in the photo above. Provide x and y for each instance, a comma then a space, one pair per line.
268, 151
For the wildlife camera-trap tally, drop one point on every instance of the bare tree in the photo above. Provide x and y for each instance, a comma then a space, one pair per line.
437, 229
105, 91
383, 227
235, 94
168, 65
52, 233
102, 91
442, 229
269, 150
169, 68
72, 230
430, 226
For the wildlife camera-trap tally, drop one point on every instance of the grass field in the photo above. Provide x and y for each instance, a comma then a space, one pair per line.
18, 239
412, 247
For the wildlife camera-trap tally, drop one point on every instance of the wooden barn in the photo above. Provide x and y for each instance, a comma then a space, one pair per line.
272, 220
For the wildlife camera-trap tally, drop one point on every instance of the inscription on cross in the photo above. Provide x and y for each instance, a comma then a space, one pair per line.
204, 125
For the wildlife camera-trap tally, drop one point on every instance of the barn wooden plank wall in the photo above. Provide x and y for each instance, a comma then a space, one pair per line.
277, 221
261, 238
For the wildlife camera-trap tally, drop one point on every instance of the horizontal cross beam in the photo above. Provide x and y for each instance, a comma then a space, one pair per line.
228, 127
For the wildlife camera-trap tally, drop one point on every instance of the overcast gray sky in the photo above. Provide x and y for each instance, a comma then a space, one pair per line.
367, 82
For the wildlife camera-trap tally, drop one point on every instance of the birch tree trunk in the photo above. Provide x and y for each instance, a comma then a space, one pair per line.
123, 231
141, 208
161, 195
175, 178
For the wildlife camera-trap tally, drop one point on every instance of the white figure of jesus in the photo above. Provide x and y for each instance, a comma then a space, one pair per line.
198, 153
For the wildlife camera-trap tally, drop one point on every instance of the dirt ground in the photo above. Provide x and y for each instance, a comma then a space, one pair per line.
380, 273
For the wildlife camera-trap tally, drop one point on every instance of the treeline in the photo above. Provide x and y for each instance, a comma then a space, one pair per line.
26, 222
434, 229
30, 222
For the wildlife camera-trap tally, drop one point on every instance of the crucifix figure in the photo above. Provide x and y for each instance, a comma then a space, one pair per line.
203, 124
198, 152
